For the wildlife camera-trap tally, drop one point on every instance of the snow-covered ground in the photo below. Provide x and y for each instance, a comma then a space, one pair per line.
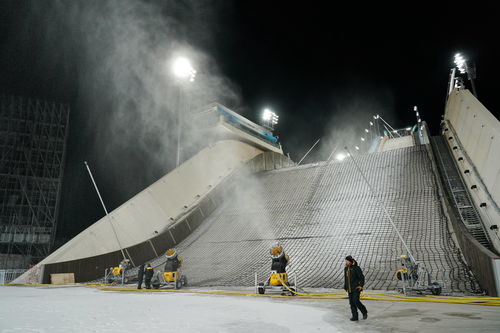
84, 309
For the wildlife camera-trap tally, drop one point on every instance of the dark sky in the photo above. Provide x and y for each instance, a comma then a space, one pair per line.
310, 63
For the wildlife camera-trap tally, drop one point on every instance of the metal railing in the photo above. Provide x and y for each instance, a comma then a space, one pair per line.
9, 275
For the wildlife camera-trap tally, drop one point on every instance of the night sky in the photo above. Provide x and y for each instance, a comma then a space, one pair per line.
312, 64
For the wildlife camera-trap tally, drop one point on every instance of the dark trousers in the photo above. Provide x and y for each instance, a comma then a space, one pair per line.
148, 283
139, 284
356, 304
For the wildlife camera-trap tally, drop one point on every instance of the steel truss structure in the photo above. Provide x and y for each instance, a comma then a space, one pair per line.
32, 152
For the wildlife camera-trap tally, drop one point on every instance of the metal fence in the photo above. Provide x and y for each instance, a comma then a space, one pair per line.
9, 275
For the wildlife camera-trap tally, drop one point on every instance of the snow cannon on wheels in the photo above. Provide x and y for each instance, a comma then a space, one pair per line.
416, 277
278, 279
116, 275
172, 276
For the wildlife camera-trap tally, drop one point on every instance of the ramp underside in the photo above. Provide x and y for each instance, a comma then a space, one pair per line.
320, 214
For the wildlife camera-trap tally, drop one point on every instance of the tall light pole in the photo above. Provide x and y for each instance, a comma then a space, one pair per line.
184, 71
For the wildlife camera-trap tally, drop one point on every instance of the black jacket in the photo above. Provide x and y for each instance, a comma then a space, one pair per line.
140, 272
353, 277
148, 273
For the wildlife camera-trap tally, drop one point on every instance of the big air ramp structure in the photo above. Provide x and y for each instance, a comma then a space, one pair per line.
319, 213
322, 212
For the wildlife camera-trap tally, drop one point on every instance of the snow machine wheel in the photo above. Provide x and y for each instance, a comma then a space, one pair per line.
184, 281
178, 284
437, 289
292, 292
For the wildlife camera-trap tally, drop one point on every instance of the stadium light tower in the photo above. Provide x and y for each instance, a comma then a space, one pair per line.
463, 67
183, 70
270, 119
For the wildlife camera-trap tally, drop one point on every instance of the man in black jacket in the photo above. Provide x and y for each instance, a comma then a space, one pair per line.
354, 280
148, 275
140, 275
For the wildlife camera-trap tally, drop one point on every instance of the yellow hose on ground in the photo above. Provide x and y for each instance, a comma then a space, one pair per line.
484, 301
390, 298
490, 301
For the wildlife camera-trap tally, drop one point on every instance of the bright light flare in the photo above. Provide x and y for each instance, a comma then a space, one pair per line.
460, 63
183, 69
362, 139
357, 148
267, 114
340, 157
270, 116
371, 124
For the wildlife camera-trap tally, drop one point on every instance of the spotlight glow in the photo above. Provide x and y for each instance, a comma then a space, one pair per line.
267, 114
270, 116
460, 62
183, 69
340, 157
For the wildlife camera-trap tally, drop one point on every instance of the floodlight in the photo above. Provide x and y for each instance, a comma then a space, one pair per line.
362, 139
460, 63
340, 157
183, 69
371, 124
270, 117
357, 148
267, 115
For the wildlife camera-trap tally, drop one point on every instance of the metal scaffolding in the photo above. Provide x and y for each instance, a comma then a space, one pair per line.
32, 153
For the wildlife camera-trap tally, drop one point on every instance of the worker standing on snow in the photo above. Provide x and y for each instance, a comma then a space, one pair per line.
354, 280
148, 275
140, 276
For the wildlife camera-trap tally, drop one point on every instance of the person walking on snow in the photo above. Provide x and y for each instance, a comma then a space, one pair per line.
354, 280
